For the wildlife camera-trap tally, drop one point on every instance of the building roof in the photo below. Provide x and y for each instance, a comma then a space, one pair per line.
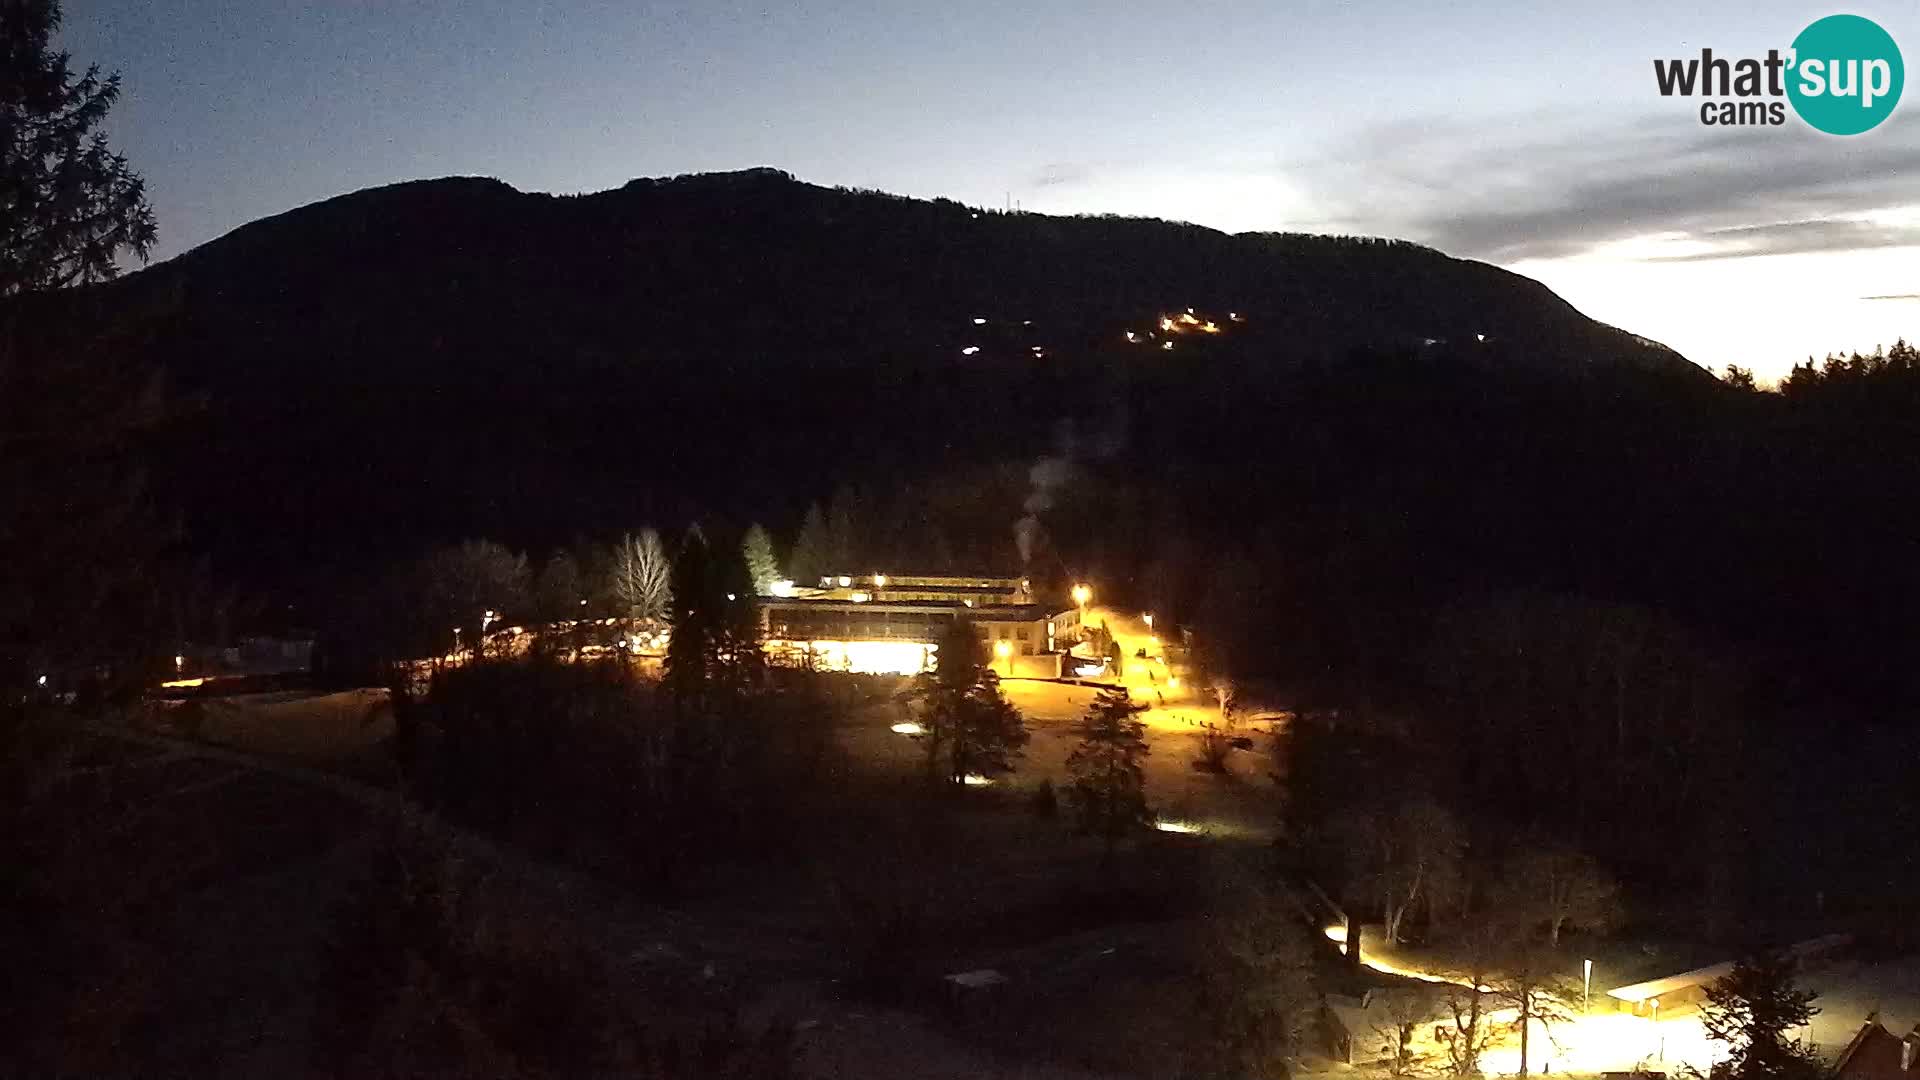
1672, 984
1878, 1054
984, 612
1712, 973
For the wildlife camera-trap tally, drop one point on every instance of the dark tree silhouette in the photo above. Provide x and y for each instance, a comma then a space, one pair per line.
811, 554
694, 618
1106, 790
77, 539
457, 587
970, 729
69, 205
1753, 1011
714, 652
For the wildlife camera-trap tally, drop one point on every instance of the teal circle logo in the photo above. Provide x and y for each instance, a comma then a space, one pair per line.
1846, 76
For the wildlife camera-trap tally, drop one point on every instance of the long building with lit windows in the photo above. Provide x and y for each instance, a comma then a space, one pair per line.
891, 623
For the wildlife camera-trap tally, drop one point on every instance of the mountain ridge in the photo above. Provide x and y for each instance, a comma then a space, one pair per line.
426, 360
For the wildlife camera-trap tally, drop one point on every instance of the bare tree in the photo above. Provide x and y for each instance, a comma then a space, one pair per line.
1470, 1027
1532, 983
1405, 1011
1565, 889
641, 575
1402, 857
469, 585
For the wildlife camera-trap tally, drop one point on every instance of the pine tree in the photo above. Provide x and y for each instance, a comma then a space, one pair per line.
757, 549
693, 614
81, 536
969, 727
69, 205
845, 520
738, 660
811, 559
1752, 1010
714, 652
1106, 789
988, 733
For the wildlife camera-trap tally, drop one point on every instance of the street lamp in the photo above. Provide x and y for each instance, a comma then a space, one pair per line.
1082, 594
1004, 651
1148, 617
1661, 1053
1586, 989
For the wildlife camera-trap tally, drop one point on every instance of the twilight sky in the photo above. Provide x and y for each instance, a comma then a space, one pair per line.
1503, 131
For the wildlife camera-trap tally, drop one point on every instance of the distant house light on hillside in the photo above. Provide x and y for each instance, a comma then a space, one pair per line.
1168, 346
783, 587
969, 350
845, 581
1166, 323
979, 321
860, 597
1479, 337
1131, 336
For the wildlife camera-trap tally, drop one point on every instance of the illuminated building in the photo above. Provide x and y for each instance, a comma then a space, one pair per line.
890, 623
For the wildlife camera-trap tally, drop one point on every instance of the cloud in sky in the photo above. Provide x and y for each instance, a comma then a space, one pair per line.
1797, 237
1529, 188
